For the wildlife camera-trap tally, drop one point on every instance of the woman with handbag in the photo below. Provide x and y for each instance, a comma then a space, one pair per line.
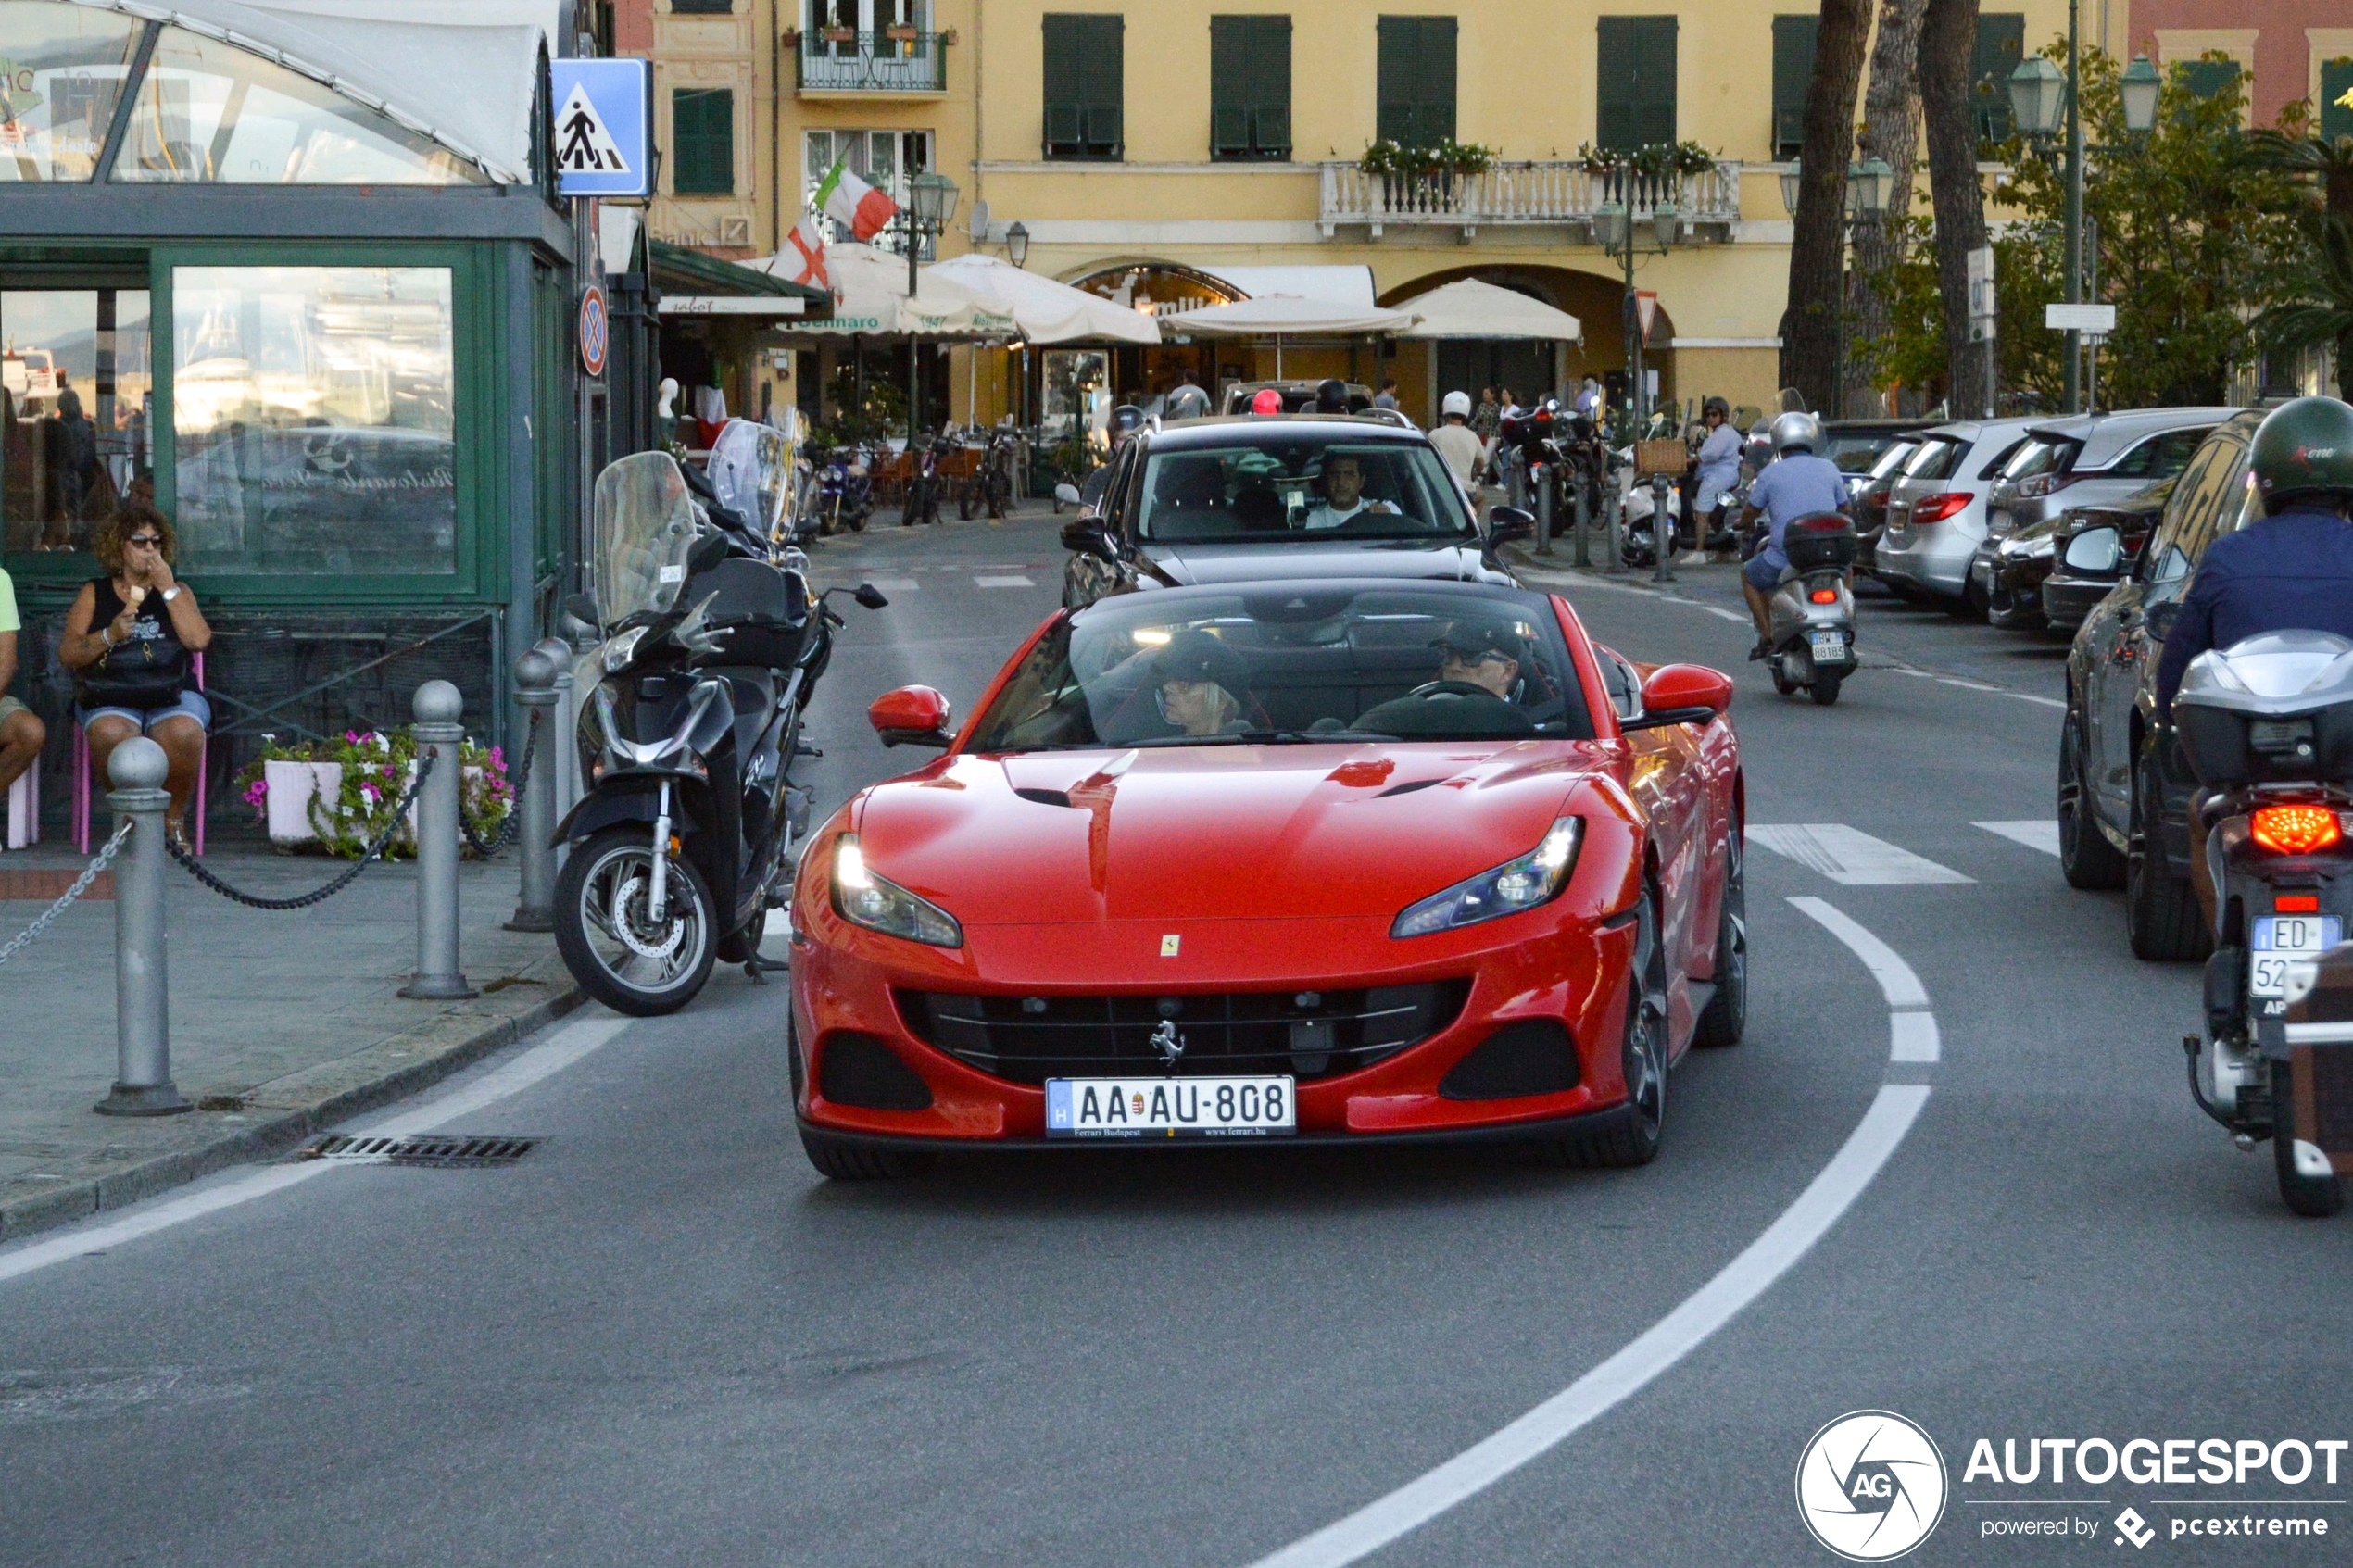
131, 637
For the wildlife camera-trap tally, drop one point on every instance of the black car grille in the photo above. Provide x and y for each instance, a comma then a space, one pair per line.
1309, 1035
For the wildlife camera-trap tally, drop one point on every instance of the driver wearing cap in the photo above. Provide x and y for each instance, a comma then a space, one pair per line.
1194, 680
1478, 688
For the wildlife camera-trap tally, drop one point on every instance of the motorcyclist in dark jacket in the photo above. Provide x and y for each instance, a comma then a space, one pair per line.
2289, 570
2292, 570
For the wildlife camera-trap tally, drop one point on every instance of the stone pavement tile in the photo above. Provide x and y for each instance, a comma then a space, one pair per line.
281, 1022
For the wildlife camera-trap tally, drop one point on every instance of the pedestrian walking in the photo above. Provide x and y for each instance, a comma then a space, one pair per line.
1387, 397
1462, 450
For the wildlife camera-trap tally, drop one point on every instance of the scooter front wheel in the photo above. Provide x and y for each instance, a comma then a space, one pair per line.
605, 932
1826, 684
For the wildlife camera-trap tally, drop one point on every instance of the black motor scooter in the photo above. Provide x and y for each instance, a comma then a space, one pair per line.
711, 646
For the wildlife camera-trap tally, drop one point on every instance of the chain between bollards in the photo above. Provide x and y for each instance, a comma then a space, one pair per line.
98, 863
439, 707
196, 868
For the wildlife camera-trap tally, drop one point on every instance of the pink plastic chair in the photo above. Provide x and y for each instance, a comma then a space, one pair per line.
81, 791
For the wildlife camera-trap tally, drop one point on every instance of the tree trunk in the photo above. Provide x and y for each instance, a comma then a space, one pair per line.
1891, 133
1948, 57
1817, 248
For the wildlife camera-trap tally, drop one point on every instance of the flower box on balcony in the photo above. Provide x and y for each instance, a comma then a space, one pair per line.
899, 35
839, 34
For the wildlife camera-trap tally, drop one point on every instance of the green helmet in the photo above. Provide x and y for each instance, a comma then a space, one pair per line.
2304, 449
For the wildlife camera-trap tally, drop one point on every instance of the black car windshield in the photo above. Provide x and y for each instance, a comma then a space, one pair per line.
1298, 484
1291, 664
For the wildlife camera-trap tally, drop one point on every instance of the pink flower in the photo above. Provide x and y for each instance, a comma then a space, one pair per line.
369, 792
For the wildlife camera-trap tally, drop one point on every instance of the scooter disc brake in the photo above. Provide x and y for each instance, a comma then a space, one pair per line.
629, 906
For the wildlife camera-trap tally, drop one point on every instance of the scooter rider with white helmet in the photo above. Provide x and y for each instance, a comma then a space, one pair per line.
1798, 484
1457, 443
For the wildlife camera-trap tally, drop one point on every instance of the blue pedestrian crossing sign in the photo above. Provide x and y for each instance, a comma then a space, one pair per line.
601, 139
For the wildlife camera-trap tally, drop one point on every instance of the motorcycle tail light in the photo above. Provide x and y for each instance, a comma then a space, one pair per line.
1936, 509
2297, 904
1824, 596
2295, 830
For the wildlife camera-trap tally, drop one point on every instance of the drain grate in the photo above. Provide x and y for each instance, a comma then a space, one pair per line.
451, 1153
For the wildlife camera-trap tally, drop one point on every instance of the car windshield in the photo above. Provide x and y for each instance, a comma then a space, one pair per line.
1298, 485
1288, 664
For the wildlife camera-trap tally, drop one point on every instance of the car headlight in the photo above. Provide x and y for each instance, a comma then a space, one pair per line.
879, 904
1534, 878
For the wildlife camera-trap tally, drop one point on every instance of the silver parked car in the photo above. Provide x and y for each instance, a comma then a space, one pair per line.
1936, 509
2097, 458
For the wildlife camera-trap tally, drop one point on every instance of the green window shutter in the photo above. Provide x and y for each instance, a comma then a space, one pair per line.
2001, 44
1636, 59
2207, 78
1416, 81
2337, 97
1793, 78
702, 123
1085, 83
1250, 86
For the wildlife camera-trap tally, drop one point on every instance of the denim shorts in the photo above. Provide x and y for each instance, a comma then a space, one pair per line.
1761, 574
191, 705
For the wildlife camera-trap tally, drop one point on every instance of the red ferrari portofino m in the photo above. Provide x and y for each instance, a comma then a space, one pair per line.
1335, 861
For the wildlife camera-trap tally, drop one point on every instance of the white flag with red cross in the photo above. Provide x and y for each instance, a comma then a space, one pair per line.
808, 242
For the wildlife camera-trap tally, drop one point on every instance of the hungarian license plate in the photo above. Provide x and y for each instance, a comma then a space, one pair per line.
1829, 647
2280, 940
1171, 1108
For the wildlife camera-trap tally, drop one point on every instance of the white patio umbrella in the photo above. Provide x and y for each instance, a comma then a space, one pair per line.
1474, 309
1281, 315
1046, 311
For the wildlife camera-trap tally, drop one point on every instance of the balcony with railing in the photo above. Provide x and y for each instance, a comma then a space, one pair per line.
891, 59
1559, 193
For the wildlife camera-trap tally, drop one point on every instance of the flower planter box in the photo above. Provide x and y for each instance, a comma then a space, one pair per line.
292, 786
899, 35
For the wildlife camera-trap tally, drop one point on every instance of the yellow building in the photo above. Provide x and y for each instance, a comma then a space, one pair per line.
1164, 152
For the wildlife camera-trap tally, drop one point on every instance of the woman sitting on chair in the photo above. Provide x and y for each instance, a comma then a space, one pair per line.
131, 637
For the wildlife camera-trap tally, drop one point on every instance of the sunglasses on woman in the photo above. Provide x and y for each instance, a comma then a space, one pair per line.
146, 540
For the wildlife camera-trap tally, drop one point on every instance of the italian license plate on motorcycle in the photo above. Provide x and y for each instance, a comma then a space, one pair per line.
1830, 646
1171, 1108
2280, 940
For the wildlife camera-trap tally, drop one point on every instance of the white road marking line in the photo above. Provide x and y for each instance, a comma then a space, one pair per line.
1912, 1037
2042, 701
895, 584
1896, 982
2041, 833
568, 1045
1002, 582
1848, 856
1674, 1336
1698, 1317
1970, 685
1908, 670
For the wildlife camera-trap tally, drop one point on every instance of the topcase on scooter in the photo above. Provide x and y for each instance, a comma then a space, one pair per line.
1819, 542
2273, 708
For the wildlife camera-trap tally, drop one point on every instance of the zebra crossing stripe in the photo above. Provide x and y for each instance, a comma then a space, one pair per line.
1850, 858
2041, 833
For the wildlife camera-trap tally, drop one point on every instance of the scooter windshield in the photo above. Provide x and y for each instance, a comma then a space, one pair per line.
647, 523
749, 465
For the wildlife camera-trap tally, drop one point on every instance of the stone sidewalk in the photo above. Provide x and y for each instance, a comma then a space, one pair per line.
281, 1025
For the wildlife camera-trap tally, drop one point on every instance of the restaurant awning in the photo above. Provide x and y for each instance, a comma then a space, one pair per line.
695, 283
1285, 316
1474, 309
1044, 310
870, 297
1333, 284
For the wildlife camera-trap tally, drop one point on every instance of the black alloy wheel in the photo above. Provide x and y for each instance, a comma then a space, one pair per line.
2086, 859
2161, 914
605, 929
1635, 1136
1725, 1019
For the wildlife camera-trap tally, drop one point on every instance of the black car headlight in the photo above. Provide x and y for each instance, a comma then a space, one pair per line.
1534, 878
879, 904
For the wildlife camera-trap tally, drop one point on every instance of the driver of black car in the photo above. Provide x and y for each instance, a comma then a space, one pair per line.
1344, 495
1479, 687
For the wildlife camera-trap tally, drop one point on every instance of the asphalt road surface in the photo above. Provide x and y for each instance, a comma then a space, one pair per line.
660, 1338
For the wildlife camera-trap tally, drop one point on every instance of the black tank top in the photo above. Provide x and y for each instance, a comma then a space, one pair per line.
150, 625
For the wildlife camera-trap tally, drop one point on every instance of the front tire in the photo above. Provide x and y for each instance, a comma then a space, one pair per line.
1635, 1137
606, 936
2161, 916
2086, 859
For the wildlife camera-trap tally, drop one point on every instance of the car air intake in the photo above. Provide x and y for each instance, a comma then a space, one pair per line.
1308, 1033
854, 1069
1534, 1057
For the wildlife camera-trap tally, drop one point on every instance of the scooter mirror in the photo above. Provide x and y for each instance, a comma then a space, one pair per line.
870, 595
708, 552
583, 608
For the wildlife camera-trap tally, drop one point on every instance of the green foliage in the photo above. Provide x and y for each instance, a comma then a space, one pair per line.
2319, 307
376, 769
1385, 156
2191, 244
1655, 162
882, 413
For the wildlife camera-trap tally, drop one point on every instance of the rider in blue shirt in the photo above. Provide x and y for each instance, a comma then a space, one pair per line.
1797, 485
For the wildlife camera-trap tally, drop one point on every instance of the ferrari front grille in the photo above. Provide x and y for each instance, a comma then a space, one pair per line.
1308, 1033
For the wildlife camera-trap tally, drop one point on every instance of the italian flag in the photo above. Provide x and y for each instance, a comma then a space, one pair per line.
809, 248
854, 204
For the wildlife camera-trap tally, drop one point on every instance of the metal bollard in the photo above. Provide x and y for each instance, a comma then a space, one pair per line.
536, 694
563, 756
1661, 528
1543, 508
1584, 521
437, 706
141, 1002
1614, 524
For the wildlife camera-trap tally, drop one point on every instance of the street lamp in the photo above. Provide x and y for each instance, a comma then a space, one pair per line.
1017, 244
1614, 230
931, 201
1869, 183
2040, 98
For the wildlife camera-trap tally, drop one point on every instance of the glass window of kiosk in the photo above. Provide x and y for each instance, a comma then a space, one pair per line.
76, 393
61, 74
313, 419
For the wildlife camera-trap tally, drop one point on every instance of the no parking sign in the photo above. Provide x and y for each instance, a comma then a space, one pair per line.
595, 331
